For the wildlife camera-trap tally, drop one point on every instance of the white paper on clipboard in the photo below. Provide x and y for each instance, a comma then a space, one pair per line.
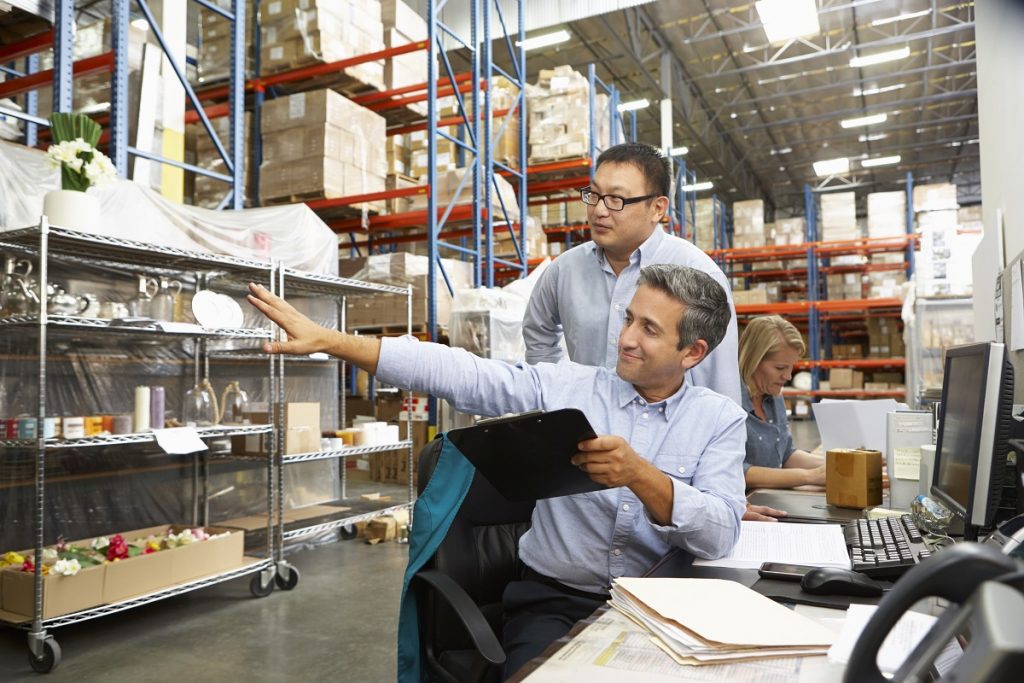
854, 424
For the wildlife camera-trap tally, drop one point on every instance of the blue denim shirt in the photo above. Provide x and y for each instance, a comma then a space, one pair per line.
585, 541
769, 443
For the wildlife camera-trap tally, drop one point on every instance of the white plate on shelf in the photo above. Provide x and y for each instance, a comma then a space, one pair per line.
216, 311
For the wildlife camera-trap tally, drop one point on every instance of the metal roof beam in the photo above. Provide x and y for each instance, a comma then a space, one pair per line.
888, 151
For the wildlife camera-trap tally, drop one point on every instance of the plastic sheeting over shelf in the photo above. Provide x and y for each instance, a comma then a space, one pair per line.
291, 233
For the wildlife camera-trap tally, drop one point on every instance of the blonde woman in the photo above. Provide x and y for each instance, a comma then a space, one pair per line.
769, 347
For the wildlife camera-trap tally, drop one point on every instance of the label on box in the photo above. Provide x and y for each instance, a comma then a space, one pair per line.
276, 53
297, 106
274, 7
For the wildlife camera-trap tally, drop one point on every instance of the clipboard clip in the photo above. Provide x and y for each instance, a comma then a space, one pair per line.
505, 418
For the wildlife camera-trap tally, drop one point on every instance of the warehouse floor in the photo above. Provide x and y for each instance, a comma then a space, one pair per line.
338, 624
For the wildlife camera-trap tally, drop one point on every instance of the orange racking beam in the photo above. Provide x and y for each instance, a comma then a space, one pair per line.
858, 304
322, 204
402, 221
847, 393
83, 67
28, 46
384, 95
442, 123
559, 184
860, 363
791, 307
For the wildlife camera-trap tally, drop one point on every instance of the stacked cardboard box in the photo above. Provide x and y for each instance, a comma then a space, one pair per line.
403, 25
943, 264
847, 351
789, 231
704, 227
505, 128
844, 286
887, 214
558, 109
446, 151
214, 49
845, 378
320, 144
750, 297
885, 338
748, 223
970, 218
535, 245
839, 216
299, 32
935, 197
449, 182
208, 192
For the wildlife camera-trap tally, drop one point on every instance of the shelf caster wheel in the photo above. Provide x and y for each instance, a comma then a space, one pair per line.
50, 659
258, 588
348, 532
289, 582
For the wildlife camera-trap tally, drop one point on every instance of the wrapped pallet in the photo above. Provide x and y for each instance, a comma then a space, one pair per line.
320, 144
887, 214
297, 33
558, 106
839, 217
748, 223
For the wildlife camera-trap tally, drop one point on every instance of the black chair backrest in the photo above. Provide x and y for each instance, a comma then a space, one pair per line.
480, 552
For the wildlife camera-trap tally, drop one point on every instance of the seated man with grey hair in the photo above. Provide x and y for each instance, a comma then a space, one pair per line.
670, 453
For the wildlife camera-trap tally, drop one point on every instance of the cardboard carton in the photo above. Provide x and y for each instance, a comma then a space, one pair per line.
61, 594
853, 478
301, 427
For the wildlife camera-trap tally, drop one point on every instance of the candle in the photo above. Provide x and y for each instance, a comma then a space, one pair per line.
156, 407
141, 420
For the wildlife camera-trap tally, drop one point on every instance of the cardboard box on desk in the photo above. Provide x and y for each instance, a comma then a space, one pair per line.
853, 478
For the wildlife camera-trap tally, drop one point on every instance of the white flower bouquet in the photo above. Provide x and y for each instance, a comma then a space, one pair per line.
74, 150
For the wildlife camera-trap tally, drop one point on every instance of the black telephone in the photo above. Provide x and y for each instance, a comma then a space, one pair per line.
984, 584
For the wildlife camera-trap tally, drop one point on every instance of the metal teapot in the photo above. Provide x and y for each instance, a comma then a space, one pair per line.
59, 302
17, 290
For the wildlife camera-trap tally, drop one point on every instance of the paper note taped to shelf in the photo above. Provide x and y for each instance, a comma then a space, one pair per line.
179, 328
179, 441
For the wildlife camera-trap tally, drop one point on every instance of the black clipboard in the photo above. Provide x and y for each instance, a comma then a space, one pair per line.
527, 456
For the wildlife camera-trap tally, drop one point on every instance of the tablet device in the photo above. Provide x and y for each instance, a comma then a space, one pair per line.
527, 456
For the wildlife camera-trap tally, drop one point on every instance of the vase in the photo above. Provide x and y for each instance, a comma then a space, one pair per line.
72, 209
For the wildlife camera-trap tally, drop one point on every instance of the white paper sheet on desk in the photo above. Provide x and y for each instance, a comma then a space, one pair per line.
900, 642
815, 545
179, 441
853, 424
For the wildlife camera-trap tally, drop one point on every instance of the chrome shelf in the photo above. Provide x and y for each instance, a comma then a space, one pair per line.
347, 452
64, 242
70, 322
257, 355
140, 437
344, 521
313, 283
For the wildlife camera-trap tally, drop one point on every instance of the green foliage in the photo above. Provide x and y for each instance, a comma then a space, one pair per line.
69, 126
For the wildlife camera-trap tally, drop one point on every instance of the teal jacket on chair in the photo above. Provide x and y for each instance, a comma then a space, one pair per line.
432, 516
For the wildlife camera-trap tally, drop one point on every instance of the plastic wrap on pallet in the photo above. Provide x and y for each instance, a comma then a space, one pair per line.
292, 234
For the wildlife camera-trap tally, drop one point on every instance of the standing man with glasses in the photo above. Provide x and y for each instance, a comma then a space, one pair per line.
584, 293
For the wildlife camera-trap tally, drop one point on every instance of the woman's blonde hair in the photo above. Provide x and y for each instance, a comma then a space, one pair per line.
763, 336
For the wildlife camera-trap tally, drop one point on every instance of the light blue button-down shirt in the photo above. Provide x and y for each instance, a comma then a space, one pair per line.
580, 295
696, 437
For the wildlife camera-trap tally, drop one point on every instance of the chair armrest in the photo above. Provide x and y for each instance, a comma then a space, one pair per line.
472, 618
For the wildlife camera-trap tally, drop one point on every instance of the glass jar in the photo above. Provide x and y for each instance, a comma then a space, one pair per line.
198, 408
234, 403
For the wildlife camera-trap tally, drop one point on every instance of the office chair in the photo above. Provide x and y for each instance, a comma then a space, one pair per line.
459, 590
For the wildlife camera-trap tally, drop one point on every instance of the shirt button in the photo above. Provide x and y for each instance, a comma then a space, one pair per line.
611, 341
645, 416
616, 552
682, 469
618, 307
625, 507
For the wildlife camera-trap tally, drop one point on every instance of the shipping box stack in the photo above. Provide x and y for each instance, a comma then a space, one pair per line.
402, 25
704, 225
943, 264
214, 49
297, 33
389, 310
558, 116
535, 245
844, 286
320, 144
789, 232
887, 214
970, 218
208, 192
748, 223
885, 338
839, 217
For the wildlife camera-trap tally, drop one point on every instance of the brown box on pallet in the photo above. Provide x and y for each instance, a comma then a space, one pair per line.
61, 594
749, 297
845, 378
317, 107
393, 467
400, 204
853, 478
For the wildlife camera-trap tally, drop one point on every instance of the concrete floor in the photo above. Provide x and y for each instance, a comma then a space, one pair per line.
338, 625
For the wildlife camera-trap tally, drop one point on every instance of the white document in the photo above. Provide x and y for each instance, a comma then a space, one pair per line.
179, 440
816, 545
1017, 303
853, 424
900, 642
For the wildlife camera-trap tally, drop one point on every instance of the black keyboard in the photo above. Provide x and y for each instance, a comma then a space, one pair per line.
884, 548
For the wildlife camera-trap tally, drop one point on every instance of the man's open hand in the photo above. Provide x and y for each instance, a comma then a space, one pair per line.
304, 335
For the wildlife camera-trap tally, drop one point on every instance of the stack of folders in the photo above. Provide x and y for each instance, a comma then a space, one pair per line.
712, 621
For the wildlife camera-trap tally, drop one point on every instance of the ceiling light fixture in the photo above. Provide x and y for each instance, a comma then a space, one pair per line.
880, 57
679, 151
787, 19
857, 92
872, 137
880, 161
634, 105
869, 120
544, 40
832, 166
900, 17
706, 185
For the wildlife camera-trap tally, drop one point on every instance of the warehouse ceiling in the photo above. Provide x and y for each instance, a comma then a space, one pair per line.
756, 116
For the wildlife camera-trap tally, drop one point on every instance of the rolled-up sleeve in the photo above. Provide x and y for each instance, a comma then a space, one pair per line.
542, 327
706, 512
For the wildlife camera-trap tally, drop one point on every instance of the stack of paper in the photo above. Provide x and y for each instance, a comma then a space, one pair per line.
706, 621
813, 545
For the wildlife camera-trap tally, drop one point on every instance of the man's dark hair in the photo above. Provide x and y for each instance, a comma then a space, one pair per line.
707, 312
651, 162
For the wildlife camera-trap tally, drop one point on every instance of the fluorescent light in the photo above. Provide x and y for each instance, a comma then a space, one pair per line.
706, 185
900, 17
634, 105
544, 40
832, 166
857, 92
864, 121
786, 19
679, 151
872, 137
782, 150
880, 161
880, 57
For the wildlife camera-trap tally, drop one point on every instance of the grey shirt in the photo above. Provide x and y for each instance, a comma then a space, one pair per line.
769, 443
579, 295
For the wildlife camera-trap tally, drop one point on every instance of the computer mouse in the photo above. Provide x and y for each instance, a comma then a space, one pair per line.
836, 581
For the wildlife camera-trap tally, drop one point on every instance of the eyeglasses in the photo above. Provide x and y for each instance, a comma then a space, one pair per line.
613, 201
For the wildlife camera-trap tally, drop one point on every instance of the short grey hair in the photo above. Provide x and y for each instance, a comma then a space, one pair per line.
706, 311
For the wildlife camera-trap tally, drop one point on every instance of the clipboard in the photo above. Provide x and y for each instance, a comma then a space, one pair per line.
527, 456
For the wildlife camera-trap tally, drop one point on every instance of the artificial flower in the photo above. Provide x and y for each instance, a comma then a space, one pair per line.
152, 546
99, 543
11, 559
62, 545
29, 566
100, 170
118, 549
50, 555
67, 567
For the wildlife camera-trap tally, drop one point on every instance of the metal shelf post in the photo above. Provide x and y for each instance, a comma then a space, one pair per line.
813, 286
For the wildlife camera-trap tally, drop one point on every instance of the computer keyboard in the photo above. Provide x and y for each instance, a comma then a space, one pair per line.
884, 548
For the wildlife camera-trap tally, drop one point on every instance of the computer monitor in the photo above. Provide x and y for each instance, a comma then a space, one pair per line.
974, 431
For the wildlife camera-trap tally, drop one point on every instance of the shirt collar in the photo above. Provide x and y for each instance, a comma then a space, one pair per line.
767, 402
628, 394
646, 251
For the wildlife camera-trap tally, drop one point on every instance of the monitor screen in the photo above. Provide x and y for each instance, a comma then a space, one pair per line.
960, 431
